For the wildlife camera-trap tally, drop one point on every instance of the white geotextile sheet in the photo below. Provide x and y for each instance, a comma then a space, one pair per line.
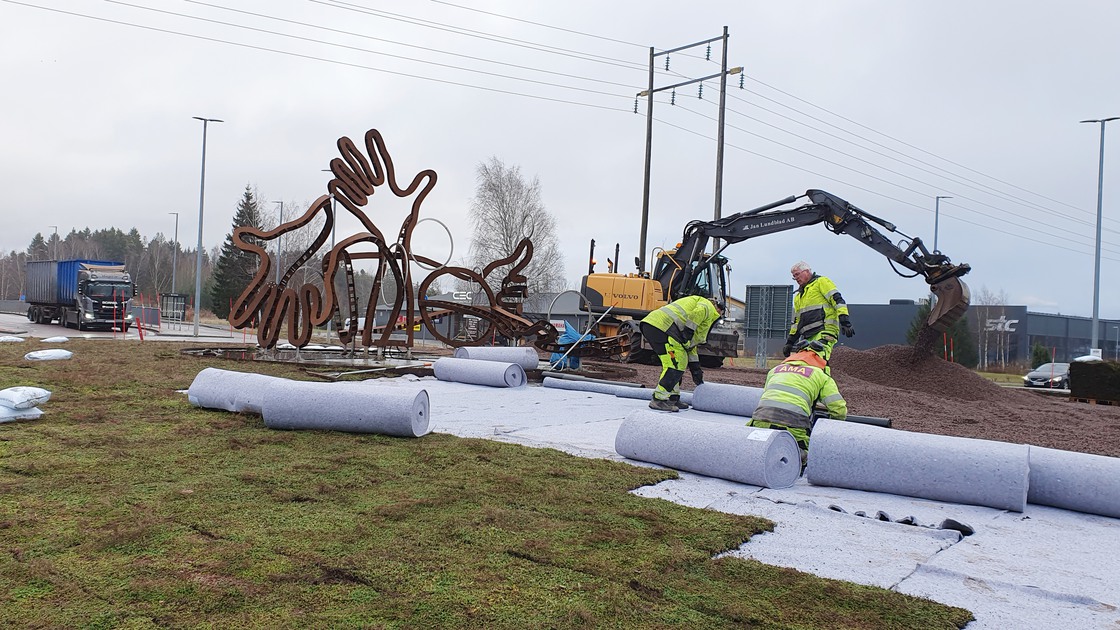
240, 392
478, 372
351, 407
1075, 481
735, 400
938, 467
622, 391
524, 356
761, 457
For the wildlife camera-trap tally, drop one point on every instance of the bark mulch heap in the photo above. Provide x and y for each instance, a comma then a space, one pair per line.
931, 395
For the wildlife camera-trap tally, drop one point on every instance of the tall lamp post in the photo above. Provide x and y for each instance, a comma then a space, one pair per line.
1116, 351
201, 203
279, 242
175, 252
937, 216
1097, 255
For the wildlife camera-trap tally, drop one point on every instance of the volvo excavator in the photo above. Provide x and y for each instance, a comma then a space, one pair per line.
623, 300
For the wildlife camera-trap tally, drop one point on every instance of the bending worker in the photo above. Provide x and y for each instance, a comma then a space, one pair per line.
675, 331
793, 388
819, 311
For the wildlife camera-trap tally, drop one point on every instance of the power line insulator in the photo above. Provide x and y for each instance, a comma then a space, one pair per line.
635, 104
700, 92
666, 63
673, 97
742, 77
708, 55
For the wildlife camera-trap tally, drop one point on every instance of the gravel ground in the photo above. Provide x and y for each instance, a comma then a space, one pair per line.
932, 396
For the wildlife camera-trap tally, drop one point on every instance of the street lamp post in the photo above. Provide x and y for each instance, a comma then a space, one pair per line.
175, 252
1097, 255
279, 242
201, 204
1116, 351
937, 216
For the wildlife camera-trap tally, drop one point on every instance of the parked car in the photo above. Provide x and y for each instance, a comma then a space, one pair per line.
1055, 375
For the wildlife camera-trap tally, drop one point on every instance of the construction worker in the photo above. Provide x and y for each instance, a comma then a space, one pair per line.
792, 390
819, 311
675, 331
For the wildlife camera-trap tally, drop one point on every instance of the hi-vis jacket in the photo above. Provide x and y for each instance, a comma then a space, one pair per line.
686, 320
792, 389
817, 308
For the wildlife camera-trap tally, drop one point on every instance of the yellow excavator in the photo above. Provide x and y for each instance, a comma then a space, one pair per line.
689, 270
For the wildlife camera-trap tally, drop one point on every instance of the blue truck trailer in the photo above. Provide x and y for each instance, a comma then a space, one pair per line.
83, 294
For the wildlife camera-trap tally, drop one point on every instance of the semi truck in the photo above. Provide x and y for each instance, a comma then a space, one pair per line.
83, 294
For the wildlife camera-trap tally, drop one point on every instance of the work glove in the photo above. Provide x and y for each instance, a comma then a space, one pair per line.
846, 326
788, 348
696, 372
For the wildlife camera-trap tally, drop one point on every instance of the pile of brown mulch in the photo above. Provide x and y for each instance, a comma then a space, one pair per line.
931, 396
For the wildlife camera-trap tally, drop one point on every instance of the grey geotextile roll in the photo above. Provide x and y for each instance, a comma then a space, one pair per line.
734, 400
240, 392
622, 391
524, 356
350, 407
1075, 481
759, 457
938, 467
478, 372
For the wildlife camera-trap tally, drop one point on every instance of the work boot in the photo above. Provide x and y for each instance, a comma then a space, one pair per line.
662, 405
676, 400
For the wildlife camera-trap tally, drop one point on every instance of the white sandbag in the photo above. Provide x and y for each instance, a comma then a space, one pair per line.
1075, 481
240, 392
734, 400
524, 356
349, 407
759, 457
10, 339
479, 372
48, 355
937, 467
56, 340
21, 397
11, 415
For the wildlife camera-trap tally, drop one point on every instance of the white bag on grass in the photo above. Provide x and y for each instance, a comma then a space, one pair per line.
56, 340
21, 397
48, 355
10, 339
9, 415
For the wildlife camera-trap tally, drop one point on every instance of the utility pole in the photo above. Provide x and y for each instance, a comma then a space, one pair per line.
648, 93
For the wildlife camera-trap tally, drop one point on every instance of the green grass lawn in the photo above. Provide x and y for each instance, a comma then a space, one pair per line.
125, 507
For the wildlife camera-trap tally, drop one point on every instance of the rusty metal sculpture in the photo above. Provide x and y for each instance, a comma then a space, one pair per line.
267, 304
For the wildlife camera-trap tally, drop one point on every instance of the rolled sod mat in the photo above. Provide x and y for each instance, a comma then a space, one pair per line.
479, 372
735, 400
1081, 482
759, 457
524, 356
240, 392
938, 467
349, 407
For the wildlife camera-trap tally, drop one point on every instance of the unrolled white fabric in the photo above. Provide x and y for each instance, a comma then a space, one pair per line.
349, 407
939, 467
1081, 482
734, 400
23, 397
240, 392
48, 355
524, 356
759, 457
478, 372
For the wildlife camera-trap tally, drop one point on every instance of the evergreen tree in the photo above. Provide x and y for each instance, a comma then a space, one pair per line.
235, 268
957, 337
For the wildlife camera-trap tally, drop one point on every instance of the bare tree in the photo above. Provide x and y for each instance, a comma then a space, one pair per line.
506, 209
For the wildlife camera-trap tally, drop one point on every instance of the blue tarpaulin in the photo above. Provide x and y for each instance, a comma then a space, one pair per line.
566, 338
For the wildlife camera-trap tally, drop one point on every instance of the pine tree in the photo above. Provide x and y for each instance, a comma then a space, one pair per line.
235, 268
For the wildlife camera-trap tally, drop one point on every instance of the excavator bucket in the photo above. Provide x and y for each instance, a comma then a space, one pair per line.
952, 302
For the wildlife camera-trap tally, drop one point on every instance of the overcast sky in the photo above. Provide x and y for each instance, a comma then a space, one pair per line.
887, 104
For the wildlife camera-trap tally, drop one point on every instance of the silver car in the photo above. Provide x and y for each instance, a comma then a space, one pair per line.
1055, 375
